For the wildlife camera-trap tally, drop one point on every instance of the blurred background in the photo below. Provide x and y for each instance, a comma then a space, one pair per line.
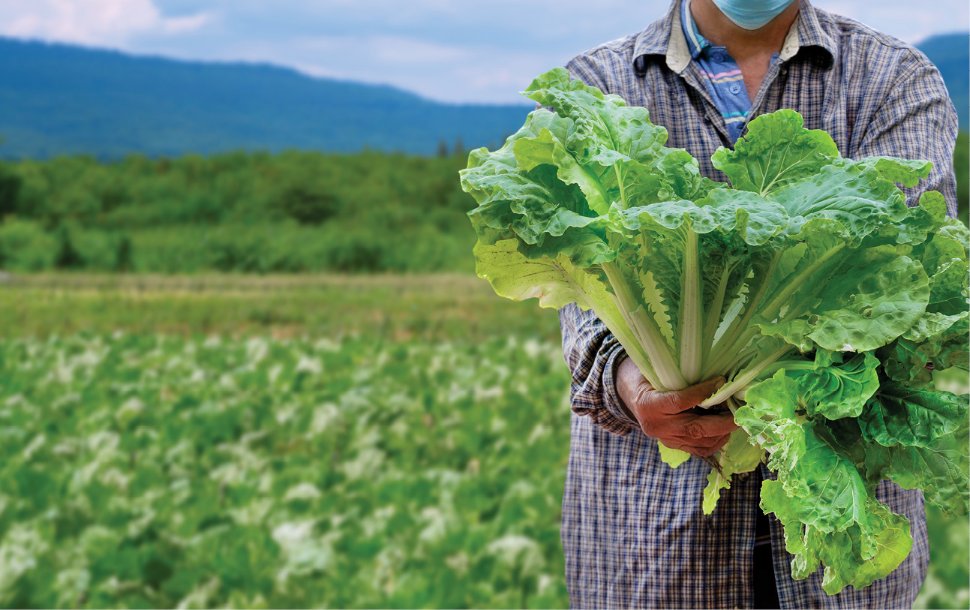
245, 360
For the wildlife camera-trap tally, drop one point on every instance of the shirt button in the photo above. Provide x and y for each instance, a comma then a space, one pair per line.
735, 88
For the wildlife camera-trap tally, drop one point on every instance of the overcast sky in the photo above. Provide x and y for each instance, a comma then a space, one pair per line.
451, 50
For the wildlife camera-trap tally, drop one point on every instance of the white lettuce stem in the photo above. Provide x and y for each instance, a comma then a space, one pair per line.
692, 312
713, 314
731, 353
619, 182
725, 350
749, 374
668, 375
790, 365
744, 333
744, 358
631, 344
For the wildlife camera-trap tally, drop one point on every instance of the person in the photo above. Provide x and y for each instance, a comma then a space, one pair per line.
633, 532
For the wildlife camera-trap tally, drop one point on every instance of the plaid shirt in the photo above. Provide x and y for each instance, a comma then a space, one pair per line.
632, 530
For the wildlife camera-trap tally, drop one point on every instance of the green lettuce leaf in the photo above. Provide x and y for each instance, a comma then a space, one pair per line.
830, 515
776, 151
919, 439
610, 150
871, 298
672, 457
868, 549
939, 338
739, 455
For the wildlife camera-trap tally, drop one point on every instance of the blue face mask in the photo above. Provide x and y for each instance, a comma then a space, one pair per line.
752, 14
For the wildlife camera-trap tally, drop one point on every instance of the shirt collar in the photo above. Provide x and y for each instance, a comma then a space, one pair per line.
695, 42
665, 38
810, 35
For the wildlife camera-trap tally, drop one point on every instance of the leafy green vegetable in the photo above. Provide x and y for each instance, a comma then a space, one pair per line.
739, 455
829, 512
806, 282
144, 471
698, 279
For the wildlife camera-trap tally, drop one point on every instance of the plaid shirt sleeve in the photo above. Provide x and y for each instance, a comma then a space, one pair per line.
917, 121
592, 354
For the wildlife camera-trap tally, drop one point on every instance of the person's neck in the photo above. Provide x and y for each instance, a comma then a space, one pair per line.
742, 43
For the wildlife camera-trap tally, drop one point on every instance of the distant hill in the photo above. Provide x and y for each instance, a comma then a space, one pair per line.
951, 54
61, 99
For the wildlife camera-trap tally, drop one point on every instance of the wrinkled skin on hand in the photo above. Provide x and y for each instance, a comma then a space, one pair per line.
670, 417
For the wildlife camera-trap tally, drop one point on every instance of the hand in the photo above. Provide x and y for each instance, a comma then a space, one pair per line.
666, 416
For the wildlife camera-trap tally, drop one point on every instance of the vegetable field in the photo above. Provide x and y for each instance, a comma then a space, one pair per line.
155, 472
388, 463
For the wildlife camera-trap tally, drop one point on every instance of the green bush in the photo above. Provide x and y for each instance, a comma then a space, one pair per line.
260, 213
25, 246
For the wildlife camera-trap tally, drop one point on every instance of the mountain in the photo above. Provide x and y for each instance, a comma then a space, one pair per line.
62, 99
951, 54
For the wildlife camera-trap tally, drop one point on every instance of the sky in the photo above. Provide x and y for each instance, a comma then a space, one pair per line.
447, 50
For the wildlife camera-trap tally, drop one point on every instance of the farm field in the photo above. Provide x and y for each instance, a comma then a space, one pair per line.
144, 471
427, 307
284, 441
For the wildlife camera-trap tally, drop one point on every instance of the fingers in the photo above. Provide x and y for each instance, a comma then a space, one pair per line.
701, 448
630, 384
693, 449
662, 415
692, 429
707, 426
681, 400
695, 434
700, 435
714, 442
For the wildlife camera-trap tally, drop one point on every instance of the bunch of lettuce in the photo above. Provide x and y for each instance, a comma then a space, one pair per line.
807, 282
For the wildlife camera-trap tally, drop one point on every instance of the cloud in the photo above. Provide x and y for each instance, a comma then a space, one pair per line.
400, 49
92, 22
188, 23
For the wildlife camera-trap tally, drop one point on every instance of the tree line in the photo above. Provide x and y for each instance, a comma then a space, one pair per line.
250, 212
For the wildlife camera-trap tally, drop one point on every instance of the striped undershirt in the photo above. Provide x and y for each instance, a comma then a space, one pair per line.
721, 75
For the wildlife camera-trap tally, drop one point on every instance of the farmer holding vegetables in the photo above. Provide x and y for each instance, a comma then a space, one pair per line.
633, 531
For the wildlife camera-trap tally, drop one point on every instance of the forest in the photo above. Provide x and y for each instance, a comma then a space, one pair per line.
246, 212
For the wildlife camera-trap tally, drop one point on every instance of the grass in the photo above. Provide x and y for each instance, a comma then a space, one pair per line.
379, 307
